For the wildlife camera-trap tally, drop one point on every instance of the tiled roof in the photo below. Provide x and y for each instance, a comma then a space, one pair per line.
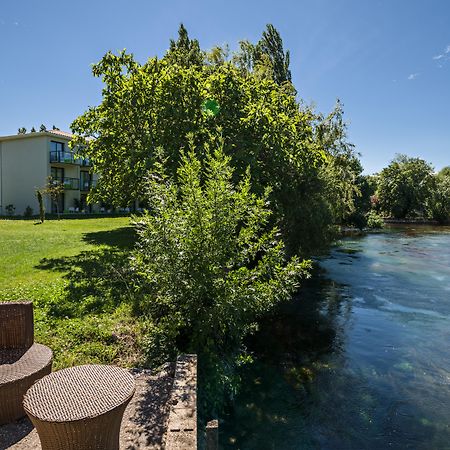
61, 133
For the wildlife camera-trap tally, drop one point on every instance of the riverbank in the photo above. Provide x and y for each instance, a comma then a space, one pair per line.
389, 221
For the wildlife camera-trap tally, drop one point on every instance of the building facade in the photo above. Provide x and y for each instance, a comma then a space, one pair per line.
26, 163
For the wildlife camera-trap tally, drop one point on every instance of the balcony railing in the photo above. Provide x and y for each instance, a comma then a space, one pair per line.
68, 158
62, 157
68, 183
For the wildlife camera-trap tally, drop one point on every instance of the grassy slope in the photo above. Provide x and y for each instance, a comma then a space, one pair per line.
72, 269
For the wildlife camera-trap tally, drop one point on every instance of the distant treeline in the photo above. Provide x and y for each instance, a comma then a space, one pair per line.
408, 188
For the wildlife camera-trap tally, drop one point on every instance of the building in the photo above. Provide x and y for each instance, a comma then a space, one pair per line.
26, 162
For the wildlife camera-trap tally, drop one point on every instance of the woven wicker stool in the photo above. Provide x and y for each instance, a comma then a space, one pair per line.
80, 408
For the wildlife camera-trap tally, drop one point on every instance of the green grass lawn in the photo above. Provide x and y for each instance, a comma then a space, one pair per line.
75, 273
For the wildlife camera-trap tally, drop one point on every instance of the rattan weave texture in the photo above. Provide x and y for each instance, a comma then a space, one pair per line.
21, 361
17, 378
16, 325
80, 408
35, 358
78, 393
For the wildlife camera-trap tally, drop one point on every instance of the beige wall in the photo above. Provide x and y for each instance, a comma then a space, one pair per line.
25, 166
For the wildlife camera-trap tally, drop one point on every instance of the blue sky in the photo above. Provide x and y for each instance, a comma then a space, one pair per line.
388, 61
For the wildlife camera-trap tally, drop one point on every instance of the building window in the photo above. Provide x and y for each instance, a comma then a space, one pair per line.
57, 173
58, 153
57, 146
85, 180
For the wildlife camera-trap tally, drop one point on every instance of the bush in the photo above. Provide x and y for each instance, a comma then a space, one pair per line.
208, 267
374, 220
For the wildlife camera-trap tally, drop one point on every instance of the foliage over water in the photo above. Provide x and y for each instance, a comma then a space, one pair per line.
360, 359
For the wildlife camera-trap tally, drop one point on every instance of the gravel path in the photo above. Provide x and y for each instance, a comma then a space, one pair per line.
144, 423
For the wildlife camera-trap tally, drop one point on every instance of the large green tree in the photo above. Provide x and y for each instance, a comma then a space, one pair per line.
266, 58
271, 45
184, 51
405, 187
342, 171
149, 109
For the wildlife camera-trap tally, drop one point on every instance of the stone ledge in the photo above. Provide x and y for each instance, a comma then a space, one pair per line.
182, 425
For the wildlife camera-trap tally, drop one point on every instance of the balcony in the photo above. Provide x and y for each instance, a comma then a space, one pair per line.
68, 183
68, 158
62, 157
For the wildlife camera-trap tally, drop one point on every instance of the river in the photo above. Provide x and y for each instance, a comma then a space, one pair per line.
360, 359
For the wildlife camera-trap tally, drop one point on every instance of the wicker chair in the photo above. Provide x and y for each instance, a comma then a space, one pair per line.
22, 362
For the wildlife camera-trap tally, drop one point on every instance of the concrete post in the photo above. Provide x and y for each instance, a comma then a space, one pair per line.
212, 435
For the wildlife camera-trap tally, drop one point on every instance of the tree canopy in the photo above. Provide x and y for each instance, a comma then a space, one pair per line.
267, 57
405, 186
184, 51
150, 109
439, 203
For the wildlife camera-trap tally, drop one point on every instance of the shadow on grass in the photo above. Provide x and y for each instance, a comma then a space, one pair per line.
98, 280
124, 238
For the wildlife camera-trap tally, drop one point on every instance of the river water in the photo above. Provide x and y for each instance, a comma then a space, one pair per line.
361, 358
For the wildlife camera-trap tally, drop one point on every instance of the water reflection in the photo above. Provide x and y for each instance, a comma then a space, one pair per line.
359, 360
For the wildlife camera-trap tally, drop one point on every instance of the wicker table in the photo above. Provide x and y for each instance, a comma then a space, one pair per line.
80, 408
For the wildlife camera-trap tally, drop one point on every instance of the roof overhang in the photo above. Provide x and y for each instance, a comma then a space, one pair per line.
13, 137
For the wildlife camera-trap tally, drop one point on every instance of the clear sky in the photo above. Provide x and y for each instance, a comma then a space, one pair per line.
388, 61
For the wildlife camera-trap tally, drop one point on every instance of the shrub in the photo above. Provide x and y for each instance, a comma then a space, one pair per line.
374, 220
208, 266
